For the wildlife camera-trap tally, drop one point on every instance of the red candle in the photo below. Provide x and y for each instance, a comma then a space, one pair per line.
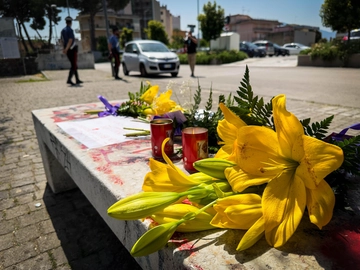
195, 146
161, 129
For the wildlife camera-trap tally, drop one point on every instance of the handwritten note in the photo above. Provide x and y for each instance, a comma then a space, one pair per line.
102, 131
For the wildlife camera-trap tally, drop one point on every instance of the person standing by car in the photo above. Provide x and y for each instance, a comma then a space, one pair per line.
114, 48
70, 49
190, 46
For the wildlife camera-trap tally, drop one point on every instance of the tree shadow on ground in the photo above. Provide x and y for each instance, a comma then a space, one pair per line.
86, 240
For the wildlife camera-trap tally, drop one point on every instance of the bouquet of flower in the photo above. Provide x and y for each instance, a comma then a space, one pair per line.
270, 168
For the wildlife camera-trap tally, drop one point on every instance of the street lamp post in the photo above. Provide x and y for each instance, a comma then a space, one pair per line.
56, 37
67, 4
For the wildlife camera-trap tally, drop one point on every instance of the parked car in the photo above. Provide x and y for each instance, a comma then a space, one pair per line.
354, 35
267, 45
295, 48
280, 50
251, 49
149, 57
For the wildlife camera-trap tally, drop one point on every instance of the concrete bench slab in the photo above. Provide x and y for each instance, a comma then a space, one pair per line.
110, 173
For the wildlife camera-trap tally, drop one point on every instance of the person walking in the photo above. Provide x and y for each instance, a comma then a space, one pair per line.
190, 46
71, 50
114, 48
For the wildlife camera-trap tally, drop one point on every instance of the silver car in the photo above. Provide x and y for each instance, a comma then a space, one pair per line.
149, 57
267, 46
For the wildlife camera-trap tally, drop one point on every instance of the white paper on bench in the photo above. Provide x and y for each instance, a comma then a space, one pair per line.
102, 131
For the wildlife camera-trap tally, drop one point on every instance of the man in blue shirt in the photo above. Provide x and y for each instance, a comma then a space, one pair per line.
70, 49
114, 48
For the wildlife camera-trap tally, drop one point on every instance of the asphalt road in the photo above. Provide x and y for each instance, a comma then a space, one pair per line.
271, 76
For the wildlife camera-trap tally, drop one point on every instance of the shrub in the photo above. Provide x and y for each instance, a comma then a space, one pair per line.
334, 49
219, 57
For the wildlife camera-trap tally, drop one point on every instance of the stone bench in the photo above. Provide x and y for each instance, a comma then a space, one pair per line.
110, 173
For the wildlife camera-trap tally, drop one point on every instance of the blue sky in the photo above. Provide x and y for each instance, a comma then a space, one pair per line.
304, 12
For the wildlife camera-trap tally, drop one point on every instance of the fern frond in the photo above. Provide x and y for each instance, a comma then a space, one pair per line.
317, 130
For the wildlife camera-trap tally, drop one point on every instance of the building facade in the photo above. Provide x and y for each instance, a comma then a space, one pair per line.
120, 19
289, 33
146, 10
251, 29
169, 22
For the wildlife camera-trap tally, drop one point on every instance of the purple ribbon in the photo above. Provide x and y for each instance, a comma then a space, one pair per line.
109, 109
354, 126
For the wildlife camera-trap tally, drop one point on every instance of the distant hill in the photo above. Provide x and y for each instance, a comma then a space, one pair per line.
327, 34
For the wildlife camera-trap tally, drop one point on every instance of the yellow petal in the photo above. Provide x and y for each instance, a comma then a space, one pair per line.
227, 131
239, 180
319, 160
284, 201
224, 152
237, 211
252, 235
155, 165
150, 94
256, 148
320, 204
231, 117
288, 129
163, 103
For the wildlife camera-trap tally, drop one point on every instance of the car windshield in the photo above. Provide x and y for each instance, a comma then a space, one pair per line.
153, 47
355, 34
252, 46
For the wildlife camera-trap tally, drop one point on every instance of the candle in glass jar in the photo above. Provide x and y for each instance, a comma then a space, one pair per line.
195, 146
160, 129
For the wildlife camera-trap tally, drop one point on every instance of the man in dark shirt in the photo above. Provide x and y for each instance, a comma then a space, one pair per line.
190, 46
70, 49
114, 48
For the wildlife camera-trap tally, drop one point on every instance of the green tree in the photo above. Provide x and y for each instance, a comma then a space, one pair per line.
126, 36
177, 39
211, 21
342, 16
156, 31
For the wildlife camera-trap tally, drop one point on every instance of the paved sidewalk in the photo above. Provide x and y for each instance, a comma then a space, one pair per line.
42, 230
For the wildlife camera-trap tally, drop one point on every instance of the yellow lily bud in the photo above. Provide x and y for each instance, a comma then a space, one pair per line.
154, 239
142, 204
175, 212
213, 166
199, 176
149, 111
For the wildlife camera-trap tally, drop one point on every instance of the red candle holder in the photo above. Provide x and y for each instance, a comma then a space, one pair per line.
160, 129
195, 146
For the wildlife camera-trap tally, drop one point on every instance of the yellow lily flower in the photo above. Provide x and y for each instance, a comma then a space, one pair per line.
175, 212
168, 177
293, 165
227, 131
163, 104
237, 211
150, 94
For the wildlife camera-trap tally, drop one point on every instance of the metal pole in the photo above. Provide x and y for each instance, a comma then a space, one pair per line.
107, 32
198, 19
67, 3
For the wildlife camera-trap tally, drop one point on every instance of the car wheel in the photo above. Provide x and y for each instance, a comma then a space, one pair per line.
125, 70
271, 55
174, 74
143, 70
